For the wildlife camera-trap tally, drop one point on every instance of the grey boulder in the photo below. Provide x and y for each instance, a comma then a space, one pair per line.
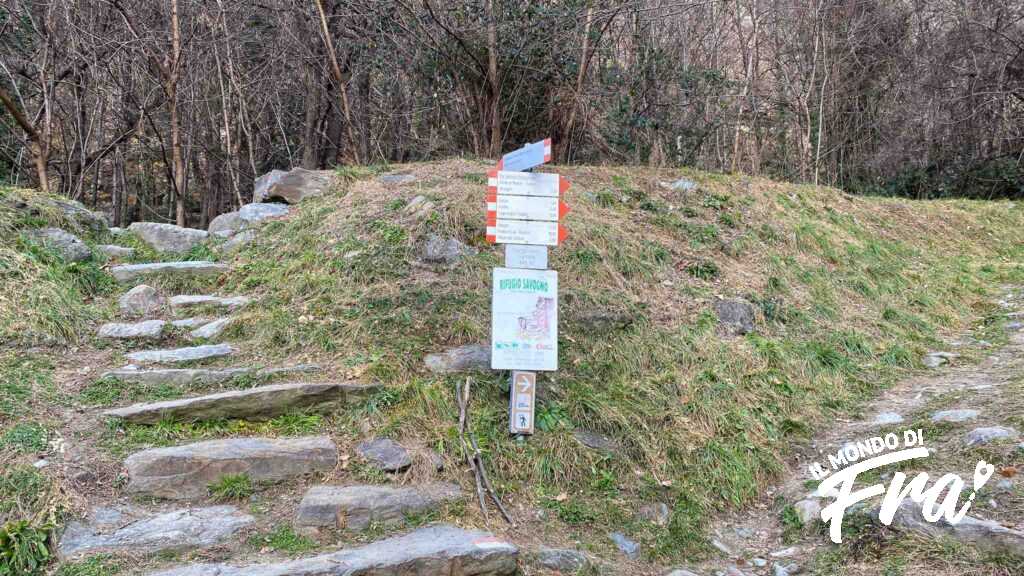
141, 301
227, 223
113, 530
988, 434
262, 184
176, 355
259, 211
168, 237
954, 415
444, 250
116, 252
238, 241
292, 187
625, 545
984, 534
438, 550
260, 403
69, 246
211, 330
562, 560
735, 317
356, 507
385, 453
190, 269
471, 357
186, 472
146, 330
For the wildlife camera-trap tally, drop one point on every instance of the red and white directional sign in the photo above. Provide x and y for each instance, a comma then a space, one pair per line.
527, 157
536, 232
526, 183
526, 208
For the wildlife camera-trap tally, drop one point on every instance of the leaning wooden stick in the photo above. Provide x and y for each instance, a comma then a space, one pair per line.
462, 394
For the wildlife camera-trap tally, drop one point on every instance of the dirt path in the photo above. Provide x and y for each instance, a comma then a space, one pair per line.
763, 536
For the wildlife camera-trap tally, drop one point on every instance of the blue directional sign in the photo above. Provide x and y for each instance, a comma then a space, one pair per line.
526, 157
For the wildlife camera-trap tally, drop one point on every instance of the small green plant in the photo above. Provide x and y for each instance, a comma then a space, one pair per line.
232, 487
297, 424
791, 524
282, 539
23, 550
26, 437
475, 178
703, 270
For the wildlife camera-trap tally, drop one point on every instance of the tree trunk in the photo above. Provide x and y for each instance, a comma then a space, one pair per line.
178, 163
493, 81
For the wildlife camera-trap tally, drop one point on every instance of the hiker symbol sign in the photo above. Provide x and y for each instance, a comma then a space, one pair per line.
524, 330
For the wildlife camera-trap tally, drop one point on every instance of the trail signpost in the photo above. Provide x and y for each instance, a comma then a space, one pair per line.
524, 212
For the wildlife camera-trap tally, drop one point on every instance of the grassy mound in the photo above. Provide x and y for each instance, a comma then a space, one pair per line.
44, 299
850, 290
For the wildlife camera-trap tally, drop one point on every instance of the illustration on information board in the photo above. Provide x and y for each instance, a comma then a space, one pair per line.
537, 326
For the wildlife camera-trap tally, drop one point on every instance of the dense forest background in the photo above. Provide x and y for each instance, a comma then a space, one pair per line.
168, 109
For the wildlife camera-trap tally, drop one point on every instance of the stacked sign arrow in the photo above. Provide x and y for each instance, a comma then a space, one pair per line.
525, 208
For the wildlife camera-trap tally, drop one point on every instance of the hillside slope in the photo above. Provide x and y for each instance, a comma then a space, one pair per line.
849, 293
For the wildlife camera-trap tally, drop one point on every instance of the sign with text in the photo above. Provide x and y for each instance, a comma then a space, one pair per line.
523, 396
538, 233
526, 184
526, 208
527, 157
524, 319
526, 256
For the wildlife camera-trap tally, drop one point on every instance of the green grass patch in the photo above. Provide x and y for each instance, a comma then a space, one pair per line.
232, 487
282, 539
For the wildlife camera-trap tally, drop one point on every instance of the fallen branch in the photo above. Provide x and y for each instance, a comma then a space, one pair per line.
474, 458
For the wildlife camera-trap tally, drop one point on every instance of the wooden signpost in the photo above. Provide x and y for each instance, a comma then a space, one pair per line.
524, 211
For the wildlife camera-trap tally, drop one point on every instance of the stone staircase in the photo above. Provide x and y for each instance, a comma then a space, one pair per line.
176, 480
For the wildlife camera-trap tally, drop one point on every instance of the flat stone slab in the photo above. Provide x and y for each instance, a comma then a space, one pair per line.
190, 376
260, 403
988, 434
148, 330
189, 354
954, 415
211, 330
192, 269
141, 301
186, 472
471, 357
115, 251
356, 507
168, 237
385, 453
438, 550
113, 530
191, 323
983, 534
187, 301
259, 211
887, 418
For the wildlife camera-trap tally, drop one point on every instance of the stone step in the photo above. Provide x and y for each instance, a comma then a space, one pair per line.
189, 269
211, 330
186, 472
356, 507
146, 330
188, 301
127, 529
438, 550
175, 355
200, 376
260, 403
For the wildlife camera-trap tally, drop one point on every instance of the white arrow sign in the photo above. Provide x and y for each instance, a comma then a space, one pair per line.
524, 208
503, 231
526, 183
